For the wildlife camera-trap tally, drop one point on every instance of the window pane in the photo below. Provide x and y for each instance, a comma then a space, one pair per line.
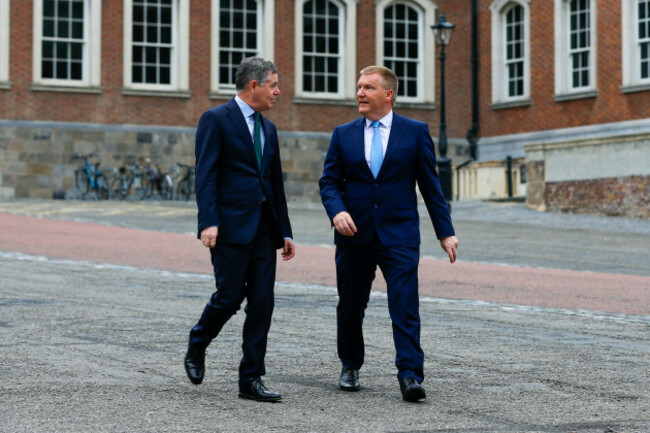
48, 28
75, 51
75, 70
78, 10
47, 69
78, 30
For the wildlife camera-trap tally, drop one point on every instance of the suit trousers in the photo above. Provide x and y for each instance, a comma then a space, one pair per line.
355, 271
242, 272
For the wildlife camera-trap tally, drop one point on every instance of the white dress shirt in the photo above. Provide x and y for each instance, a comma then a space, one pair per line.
248, 113
384, 129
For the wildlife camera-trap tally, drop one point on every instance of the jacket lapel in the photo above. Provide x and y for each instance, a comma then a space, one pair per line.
359, 141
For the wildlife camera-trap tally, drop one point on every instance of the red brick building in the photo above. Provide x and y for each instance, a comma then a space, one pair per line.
130, 78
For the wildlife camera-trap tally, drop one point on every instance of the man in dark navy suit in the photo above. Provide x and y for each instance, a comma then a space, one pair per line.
243, 219
368, 189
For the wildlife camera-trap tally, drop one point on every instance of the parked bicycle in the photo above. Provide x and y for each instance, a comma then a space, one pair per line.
90, 181
185, 186
158, 182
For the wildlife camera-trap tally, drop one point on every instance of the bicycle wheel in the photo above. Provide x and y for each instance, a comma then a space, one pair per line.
119, 188
81, 184
184, 190
103, 191
166, 187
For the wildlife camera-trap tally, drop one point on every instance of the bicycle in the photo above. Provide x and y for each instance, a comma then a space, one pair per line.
89, 178
159, 182
185, 186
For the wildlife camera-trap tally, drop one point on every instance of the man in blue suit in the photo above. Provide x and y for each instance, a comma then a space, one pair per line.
368, 189
243, 219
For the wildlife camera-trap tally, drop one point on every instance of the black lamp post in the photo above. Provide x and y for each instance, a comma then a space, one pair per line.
443, 30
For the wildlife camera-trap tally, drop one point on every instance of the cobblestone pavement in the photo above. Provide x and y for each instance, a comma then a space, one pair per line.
92, 343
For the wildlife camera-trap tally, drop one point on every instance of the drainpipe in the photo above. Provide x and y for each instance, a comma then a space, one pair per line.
472, 133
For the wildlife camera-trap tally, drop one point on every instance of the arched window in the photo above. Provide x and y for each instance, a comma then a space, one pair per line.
325, 59
636, 45
510, 52
403, 47
575, 54
405, 44
240, 29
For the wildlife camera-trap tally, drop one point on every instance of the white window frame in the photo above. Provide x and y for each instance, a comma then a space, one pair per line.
630, 45
180, 58
563, 66
348, 47
500, 88
427, 46
265, 40
420, 54
4, 41
92, 55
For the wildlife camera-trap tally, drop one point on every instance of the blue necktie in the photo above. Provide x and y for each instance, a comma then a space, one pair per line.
376, 150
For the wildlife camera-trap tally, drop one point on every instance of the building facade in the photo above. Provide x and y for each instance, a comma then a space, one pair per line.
560, 86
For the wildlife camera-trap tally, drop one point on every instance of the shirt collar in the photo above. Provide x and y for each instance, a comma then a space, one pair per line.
386, 121
246, 109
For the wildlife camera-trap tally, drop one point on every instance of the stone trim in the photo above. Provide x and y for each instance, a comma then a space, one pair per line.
36, 87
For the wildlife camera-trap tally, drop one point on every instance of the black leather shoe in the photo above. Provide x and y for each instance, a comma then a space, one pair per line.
255, 390
411, 389
349, 380
195, 364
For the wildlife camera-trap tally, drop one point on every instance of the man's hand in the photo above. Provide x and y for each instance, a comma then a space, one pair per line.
343, 223
209, 236
450, 244
289, 250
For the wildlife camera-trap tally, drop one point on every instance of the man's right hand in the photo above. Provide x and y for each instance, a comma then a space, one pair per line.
343, 223
209, 236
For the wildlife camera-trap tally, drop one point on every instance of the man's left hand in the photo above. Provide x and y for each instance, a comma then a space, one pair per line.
289, 250
450, 245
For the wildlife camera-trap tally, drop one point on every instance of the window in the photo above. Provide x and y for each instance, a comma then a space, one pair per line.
67, 48
322, 20
402, 54
636, 44
403, 37
580, 43
510, 51
156, 44
325, 49
575, 42
4, 42
515, 51
240, 29
643, 38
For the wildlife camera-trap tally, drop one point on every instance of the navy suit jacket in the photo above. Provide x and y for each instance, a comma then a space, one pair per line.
387, 206
229, 182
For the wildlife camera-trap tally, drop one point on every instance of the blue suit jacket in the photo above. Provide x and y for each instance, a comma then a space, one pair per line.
386, 206
228, 181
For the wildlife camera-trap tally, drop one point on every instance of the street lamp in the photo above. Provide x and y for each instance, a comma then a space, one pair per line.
443, 31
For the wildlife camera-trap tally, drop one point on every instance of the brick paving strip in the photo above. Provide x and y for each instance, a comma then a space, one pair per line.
549, 288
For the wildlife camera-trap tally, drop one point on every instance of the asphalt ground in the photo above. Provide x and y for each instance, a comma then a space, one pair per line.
94, 327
